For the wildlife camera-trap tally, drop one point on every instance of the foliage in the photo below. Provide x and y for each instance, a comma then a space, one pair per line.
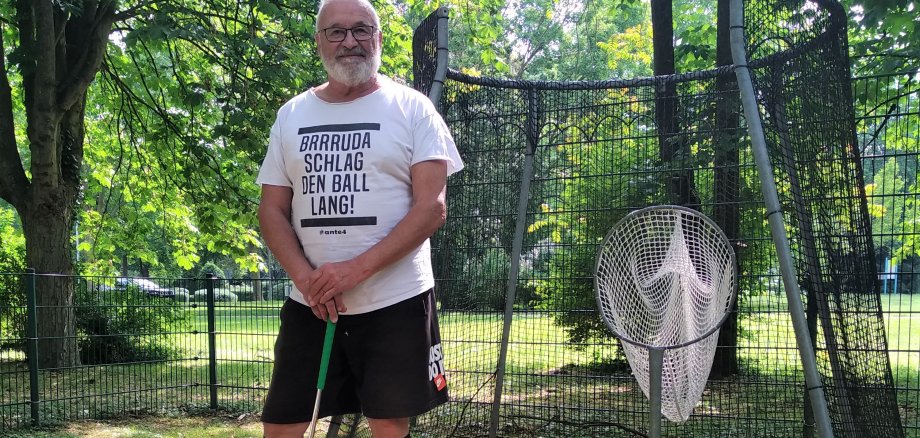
271, 289
487, 278
12, 257
182, 296
210, 268
116, 326
200, 281
220, 295
12, 243
180, 118
577, 220
889, 143
884, 35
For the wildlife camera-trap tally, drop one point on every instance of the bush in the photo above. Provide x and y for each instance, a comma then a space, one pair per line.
109, 323
210, 268
12, 293
220, 295
182, 295
207, 268
280, 290
273, 289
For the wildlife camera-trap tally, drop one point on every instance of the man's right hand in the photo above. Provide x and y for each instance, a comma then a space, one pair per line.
329, 310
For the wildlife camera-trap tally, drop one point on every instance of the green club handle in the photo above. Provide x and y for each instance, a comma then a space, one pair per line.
327, 351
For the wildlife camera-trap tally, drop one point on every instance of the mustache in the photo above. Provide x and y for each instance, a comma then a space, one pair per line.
357, 50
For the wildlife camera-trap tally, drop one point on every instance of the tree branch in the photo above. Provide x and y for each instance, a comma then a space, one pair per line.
93, 33
43, 117
26, 44
13, 181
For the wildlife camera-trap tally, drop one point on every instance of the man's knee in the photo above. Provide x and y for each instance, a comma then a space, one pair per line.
296, 430
389, 428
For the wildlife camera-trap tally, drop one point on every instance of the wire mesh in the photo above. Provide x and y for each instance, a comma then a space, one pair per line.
599, 152
808, 114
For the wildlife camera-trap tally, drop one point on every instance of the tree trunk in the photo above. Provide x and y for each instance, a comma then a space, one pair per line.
257, 286
673, 147
727, 182
46, 226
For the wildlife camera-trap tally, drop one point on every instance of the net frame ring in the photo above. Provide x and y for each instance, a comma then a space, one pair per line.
720, 239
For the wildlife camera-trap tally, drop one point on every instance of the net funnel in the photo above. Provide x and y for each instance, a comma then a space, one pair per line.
665, 282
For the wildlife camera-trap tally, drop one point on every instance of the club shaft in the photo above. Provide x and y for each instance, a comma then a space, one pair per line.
319, 393
323, 368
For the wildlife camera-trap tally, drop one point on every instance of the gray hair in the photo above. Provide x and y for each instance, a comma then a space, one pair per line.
366, 3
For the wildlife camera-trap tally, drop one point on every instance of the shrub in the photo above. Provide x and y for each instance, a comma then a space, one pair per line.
122, 326
280, 290
210, 268
272, 289
12, 293
220, 295
207, 268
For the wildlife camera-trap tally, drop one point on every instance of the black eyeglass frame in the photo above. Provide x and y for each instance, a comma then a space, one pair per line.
373, 30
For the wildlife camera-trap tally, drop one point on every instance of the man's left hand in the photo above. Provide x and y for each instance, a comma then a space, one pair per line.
333, 279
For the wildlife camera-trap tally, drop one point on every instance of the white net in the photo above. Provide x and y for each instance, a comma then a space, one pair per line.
665, 279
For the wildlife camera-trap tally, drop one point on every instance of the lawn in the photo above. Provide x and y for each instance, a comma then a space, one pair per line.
170, 398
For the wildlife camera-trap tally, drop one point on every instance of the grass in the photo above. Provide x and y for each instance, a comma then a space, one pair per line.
153, 427
548, 384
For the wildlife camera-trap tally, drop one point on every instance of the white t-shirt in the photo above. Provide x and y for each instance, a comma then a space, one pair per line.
348, 165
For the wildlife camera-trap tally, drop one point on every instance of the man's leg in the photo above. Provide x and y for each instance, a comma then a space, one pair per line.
389, 427
295, 430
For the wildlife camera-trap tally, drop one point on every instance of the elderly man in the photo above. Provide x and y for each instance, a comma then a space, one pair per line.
353, 185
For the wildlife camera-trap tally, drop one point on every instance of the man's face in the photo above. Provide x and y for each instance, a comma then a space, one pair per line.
349, 61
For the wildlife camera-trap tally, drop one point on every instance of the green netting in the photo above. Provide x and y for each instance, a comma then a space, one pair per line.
551, 166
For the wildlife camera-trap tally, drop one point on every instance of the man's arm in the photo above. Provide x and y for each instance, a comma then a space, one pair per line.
275, 223
425, 216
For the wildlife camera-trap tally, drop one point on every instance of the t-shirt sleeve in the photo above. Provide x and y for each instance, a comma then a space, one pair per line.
432, 141
272, 171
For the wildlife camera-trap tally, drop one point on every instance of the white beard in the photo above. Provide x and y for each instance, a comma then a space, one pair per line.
352, 74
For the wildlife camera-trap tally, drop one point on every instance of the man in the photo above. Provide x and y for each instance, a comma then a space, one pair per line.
353, 185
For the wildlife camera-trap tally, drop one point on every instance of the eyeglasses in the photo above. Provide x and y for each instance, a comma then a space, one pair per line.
338, 34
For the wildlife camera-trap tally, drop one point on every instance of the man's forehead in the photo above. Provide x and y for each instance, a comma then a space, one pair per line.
346, 13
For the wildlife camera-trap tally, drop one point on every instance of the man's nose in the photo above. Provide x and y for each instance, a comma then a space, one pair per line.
350, 40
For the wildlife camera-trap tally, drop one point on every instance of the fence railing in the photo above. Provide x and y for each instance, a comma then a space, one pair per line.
143, 347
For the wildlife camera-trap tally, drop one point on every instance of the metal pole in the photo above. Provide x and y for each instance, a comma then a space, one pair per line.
32, 345
440, 72
212, 340
655, 366
516, 245
813, 381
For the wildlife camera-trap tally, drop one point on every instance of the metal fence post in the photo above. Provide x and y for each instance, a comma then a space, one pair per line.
212, 340
32, 345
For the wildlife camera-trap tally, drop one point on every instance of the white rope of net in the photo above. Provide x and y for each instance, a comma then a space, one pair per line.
665, 280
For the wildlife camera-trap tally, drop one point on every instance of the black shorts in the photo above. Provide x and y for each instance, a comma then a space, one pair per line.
385, 364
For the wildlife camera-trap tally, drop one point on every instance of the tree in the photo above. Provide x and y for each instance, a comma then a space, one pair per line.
727, 180
59, 52
180, 78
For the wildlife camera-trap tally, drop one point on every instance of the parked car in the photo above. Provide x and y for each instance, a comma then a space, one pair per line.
145, 285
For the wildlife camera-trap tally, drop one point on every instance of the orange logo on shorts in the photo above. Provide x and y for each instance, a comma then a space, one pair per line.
436, 367
440, 382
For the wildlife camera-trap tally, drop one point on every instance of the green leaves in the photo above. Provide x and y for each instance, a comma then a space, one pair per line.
884, 35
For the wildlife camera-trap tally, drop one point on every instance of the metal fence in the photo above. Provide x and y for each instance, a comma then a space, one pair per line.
202, 344
194, 344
